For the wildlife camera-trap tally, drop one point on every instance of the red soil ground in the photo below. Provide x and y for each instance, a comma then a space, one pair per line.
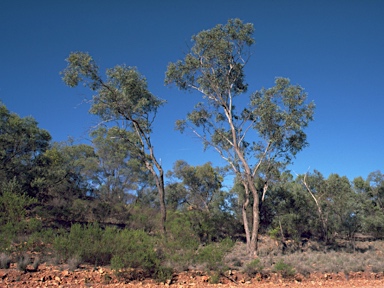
59, 276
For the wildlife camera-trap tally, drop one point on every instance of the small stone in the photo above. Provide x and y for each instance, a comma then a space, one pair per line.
45, 278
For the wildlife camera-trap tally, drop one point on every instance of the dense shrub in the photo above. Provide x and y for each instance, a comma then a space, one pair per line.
182, 243
213, 254
120, 248
253, 267
13, 202
90, 243
284, 269
14, 224
143, 218
134, 249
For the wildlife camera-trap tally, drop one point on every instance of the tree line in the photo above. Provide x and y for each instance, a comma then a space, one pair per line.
118, 179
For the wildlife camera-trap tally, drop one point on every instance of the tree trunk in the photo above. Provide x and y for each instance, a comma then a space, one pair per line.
159, 178
251, 238
248, 183
256, 218
245, 218
163, 210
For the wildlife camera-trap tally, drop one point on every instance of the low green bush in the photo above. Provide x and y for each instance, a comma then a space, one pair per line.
134, 249
89, 243
121, 249
162, 273
284, 269
179, 251
253, 267
215, 278
274, 233
213, 254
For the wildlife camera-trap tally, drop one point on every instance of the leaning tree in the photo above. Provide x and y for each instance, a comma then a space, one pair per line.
253, 139
124, 98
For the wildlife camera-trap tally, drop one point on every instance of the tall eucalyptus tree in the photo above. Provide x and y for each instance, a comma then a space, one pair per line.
266, 132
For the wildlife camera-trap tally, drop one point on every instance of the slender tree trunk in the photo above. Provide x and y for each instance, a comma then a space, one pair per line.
256, 218
163, 210
159, 178
245, 218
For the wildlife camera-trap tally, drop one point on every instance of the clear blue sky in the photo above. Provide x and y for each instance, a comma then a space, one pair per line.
334, 49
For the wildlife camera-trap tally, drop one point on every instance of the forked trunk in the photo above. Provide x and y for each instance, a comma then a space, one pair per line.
251, 237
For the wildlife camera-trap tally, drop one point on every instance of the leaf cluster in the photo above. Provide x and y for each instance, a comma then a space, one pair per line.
214, 65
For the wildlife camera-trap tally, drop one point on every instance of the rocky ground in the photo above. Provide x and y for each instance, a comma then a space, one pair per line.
50, 274
86, 276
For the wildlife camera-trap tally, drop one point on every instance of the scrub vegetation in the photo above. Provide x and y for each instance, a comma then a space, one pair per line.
111, 203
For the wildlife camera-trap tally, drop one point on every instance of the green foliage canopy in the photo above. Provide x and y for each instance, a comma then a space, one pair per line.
123, 98
22, 144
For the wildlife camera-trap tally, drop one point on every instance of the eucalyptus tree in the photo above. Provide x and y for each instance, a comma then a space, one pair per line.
266, 131
123, 97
